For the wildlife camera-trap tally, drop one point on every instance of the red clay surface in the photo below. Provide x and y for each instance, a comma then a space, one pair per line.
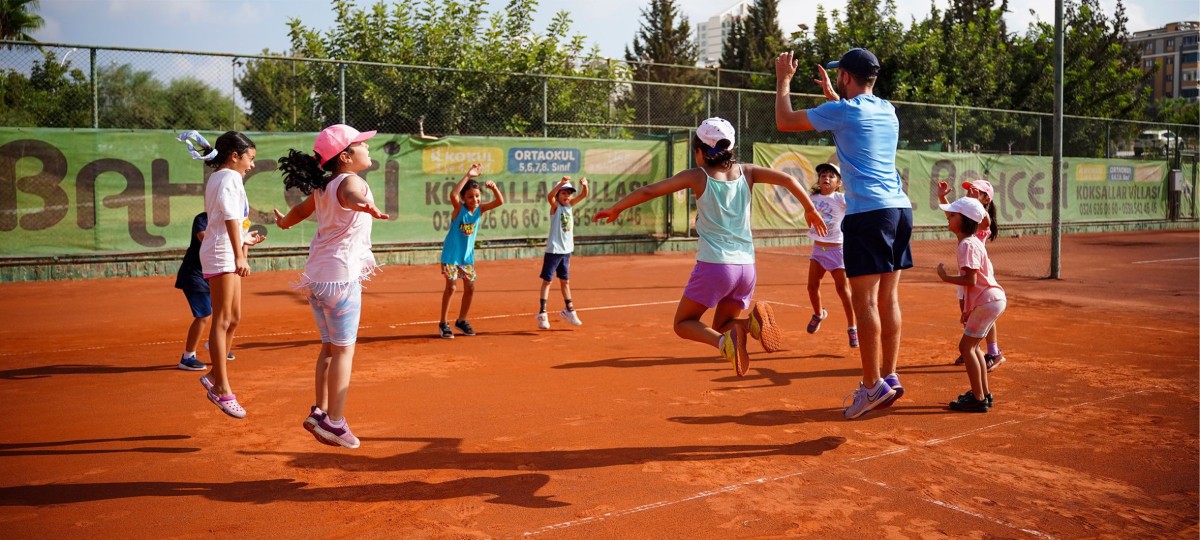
616, 429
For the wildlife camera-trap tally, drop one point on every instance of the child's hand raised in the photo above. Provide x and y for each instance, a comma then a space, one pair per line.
608, 215
490, 185
564, 181
943, 188
474, 170
583, 182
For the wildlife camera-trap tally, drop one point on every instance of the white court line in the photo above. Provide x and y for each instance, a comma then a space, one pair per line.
307, 332
1166, 260
889, 452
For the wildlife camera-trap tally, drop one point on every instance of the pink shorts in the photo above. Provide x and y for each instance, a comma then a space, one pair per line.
712, 284
829, 257
981, 319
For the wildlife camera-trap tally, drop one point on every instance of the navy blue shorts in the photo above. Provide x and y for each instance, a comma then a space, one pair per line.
877, 242
200, 302
556, 263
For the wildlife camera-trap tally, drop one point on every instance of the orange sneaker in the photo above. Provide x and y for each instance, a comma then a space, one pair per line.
733, 348
763, 328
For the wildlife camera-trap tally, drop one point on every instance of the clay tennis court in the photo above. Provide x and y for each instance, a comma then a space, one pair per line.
616, 429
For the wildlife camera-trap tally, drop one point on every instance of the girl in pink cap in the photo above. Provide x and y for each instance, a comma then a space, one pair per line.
339, 260
982, 191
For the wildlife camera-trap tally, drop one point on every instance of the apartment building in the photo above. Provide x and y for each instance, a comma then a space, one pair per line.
710, 35
1174, 48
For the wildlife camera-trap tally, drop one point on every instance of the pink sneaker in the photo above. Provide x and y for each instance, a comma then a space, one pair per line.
335, 435
228, 404
310, 424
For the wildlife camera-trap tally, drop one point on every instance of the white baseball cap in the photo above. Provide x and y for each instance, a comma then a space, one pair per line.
967, 206
713, 130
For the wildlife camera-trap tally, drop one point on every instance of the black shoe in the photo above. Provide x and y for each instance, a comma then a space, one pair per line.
464, 327
969, 403
447, 333
988, 399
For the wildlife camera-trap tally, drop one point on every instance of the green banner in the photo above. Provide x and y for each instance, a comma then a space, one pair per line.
1095, 189
96, 191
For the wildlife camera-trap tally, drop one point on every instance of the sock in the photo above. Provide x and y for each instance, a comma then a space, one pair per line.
189, 354
852, 329
721, 343
542, 308
569, 306
336, 423
993, 349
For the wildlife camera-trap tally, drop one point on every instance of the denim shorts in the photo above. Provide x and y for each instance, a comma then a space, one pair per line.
877, 242
981, 319
829, 257
337, 310
556, 263
713, 284
200, 302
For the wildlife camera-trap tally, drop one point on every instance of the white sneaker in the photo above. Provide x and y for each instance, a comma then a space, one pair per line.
543, 321
570, 317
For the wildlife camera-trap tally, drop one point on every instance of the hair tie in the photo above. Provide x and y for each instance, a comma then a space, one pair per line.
196, 143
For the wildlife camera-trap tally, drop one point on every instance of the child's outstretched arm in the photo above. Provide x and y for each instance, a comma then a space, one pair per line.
455, 198
768, 175
497, 197
583, 191
685, 179
353, 194
298, 213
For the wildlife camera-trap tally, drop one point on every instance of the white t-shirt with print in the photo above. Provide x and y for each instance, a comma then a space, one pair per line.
832, 209
224, 200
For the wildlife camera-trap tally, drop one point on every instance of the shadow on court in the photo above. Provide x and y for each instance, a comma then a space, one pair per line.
26, 449
42, 372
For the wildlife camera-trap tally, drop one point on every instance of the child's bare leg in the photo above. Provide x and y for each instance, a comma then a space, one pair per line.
338, 384
843, 290
815, 273
225, 289
322, 377
468, 295
726, 315
197, 328
545, 292
447, 294
968, 347
688, 325
565, 286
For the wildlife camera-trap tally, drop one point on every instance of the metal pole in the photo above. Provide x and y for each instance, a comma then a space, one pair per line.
1056, 148
954, 131
95, 92
1107, 138
233, 93
1039, 135
545, 114
342, 89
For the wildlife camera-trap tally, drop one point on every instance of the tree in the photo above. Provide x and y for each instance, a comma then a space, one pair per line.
137, 100
17, 19
663, 51
279, 95
53, 95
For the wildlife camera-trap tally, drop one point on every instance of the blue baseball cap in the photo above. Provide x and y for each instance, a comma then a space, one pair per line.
857, 61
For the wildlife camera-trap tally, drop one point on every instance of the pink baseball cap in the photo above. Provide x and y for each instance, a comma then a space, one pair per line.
333, 139
981, 185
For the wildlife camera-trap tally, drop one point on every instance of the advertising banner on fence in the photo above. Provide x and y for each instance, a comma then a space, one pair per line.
1094, 190
103, 191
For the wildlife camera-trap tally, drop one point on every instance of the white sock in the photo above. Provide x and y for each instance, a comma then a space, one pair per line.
337, 423
189, 354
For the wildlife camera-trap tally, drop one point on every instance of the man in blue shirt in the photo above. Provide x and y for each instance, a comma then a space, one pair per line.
878, 222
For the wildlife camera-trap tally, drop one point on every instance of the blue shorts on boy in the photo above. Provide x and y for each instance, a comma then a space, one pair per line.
190, 278
556, 264
559, 244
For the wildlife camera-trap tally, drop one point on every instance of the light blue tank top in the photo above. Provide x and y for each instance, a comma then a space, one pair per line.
723, 222
562, 231
459, 247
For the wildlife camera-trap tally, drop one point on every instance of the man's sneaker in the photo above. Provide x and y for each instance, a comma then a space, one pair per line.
570, 316
988, 398
191, 363
310, 424
464, 327
763, 328
866, 399
969, 403
733, 348
543, 321
892, 380
230, 356
853, 332
335, 435
445, 330
815, 323
993, 362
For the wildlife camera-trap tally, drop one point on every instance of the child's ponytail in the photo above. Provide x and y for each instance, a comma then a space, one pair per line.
992, 226
303, 172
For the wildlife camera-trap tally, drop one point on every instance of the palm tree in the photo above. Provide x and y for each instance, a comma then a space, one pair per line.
17, 19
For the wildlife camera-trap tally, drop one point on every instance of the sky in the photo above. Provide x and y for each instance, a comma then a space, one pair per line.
249, 26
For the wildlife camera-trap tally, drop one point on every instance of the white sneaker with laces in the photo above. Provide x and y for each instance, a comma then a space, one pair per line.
543, 321
571, 317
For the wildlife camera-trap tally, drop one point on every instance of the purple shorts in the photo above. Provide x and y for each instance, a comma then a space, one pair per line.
712, 284
829, 257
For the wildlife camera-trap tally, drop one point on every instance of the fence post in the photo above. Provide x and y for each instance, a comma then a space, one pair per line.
1039, 135
1107, 139
545, 108
95, 90
954, 130
342, 89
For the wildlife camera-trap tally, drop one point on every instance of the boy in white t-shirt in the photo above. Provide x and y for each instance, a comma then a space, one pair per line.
830, 202
559, 245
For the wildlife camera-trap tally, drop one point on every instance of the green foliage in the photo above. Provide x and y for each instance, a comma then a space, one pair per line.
477, 65
661, 45
135, 99
17, 19
53, 95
